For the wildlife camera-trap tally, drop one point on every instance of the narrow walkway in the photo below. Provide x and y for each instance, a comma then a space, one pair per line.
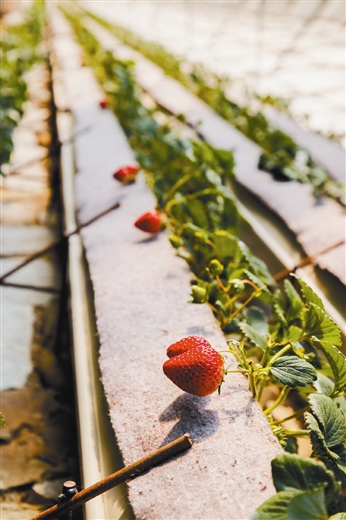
38, 442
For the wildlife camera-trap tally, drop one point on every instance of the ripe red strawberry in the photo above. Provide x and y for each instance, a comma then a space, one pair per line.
150, 222
185, 344
126, 174
197, 370
103, 103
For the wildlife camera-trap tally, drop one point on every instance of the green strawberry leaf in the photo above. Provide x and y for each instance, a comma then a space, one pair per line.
278, 307
309, 505
276, 507
255, 337
255, 327
330, 418
309, 295
295, 303
321, 326
293, 371
258, 267
227, 246
292, 471
337, 361
196, 209
323, 384
325, 434
294, 333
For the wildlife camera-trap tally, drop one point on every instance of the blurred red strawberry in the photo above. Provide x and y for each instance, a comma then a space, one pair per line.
103, 103
126, 174
150, 222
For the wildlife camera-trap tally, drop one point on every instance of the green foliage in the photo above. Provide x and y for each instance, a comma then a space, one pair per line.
337, 361
18, 52
305, 489
2, 420
292, 371
327, 427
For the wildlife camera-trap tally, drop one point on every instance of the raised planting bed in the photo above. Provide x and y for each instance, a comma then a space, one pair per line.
141, 293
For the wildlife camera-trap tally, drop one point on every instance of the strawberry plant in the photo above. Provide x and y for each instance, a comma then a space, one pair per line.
281, 156
19, 51
277, 336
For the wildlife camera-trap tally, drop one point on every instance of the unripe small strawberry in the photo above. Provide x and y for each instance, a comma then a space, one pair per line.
126, 174
199, 294
176, 241
216, 267
196, 368
150, 222
237, 285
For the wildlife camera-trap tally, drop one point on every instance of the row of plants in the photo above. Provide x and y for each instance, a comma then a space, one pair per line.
278, 336
281, 156
19, 50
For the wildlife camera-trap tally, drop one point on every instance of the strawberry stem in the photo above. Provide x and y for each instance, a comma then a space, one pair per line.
283, 394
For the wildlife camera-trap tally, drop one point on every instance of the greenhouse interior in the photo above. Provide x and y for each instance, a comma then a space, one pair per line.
173, 280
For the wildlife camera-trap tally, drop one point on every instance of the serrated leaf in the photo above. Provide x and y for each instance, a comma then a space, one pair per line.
227, 246
334, 458
309, 295
276, 508
197, 211
323, 384
255, 327
295, 303
330, 418
321, 326
309, 505
293, 471
278, 307
257, 319
255, 337
337, 361
320, 448
293, 371
294, 333
260, 269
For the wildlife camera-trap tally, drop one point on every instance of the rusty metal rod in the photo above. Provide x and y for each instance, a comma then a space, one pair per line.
54, 244
55, 151
30, 287
129, 472
306, 261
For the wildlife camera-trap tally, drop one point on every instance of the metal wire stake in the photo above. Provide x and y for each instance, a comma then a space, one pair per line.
57, 242
129, 472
